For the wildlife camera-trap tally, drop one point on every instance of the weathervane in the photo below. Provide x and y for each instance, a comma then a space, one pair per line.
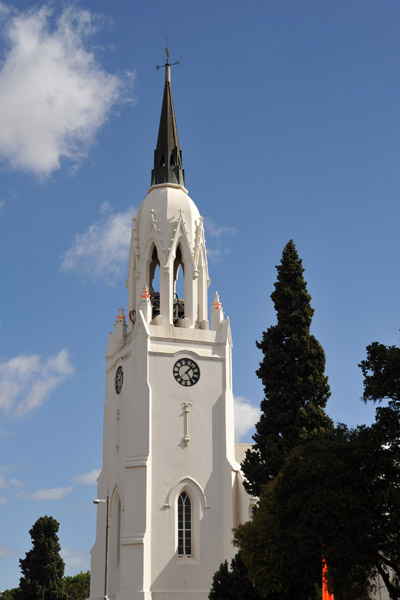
167, 57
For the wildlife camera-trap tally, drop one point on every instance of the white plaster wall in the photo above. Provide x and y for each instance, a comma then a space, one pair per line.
145, 460
204, 460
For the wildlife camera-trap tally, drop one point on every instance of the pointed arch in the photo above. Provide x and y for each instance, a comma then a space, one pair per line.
154, 281
116, 492
190, 483
153, 239
151, 264
154, 263
178, 261
188, 501
181, 238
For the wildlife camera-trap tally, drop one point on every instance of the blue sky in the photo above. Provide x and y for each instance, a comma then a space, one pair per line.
287, 114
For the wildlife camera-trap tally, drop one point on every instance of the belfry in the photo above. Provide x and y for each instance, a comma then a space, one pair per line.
170, 490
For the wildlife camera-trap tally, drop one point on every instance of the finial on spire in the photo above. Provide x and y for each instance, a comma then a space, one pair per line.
166, 48
167, 64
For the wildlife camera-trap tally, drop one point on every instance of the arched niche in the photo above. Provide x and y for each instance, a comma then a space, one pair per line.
115, 530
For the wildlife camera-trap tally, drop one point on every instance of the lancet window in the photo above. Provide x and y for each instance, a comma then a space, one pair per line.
184, 525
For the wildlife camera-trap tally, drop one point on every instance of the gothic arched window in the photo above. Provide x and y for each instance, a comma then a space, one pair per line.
184, 525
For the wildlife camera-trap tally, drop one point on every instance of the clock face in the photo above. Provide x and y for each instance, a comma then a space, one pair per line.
186, 372
119, 380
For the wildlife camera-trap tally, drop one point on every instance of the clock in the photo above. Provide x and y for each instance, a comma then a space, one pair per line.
119, 380
186, 372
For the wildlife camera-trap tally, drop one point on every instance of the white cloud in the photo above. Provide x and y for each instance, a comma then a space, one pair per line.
51, 493
7, 483
5, 551
54, 95
16, 482
105, 207
75, 559
26, 381
3, 500
102, 251
215, 252
88, 478
214, 231
246, 416
217, 255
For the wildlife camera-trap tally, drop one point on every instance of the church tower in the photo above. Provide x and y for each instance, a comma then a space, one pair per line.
170, 491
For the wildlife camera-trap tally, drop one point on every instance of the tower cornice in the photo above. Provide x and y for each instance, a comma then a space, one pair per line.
170, 185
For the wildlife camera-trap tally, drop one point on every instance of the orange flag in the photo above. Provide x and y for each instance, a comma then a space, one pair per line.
325, 594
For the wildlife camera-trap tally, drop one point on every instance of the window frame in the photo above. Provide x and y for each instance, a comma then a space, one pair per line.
185, 525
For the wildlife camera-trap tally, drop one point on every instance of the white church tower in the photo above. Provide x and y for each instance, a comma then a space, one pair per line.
170, 489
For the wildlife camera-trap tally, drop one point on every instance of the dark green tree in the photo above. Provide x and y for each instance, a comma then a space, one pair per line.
381, 370
8, 594
316, 506
337, 495
78, 586
43, 568
293, 375
233, 584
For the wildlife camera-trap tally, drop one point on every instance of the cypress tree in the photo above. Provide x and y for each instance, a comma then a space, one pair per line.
43, 568
293, 375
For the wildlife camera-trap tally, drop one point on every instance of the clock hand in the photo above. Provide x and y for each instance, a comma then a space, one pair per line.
184, 373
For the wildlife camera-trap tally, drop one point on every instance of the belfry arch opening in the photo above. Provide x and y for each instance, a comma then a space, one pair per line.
179, 287
154, 278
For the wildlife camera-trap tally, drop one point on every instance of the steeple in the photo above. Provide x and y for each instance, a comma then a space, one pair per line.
167, 155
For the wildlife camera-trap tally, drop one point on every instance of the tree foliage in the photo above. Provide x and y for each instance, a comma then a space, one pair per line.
77, 587
381, 370
233, 584
9, 594
337, 496
292, 371
315, 507
42, 568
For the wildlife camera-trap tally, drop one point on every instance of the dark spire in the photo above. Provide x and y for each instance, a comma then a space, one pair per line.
167, 155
